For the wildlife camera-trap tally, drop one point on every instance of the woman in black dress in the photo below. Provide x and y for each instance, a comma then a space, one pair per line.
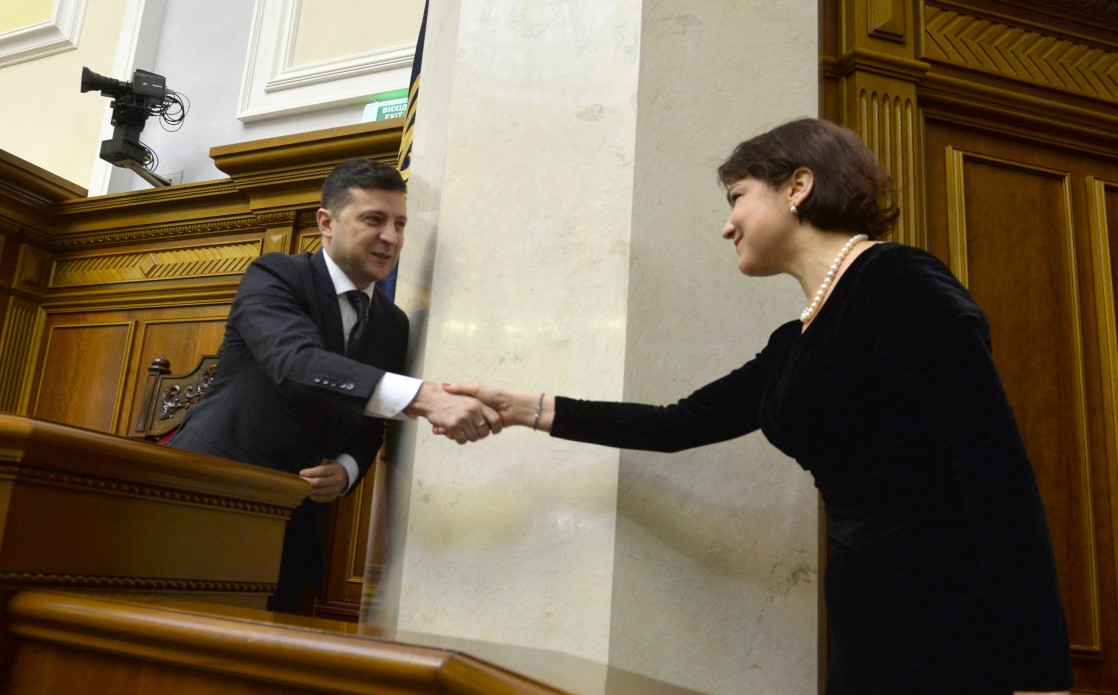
941, 579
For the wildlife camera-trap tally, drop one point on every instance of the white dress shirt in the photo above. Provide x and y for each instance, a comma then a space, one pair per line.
394, 391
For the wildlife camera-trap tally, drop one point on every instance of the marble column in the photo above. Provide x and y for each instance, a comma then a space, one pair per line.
565, 237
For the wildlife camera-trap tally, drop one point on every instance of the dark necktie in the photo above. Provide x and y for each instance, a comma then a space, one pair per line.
360, 302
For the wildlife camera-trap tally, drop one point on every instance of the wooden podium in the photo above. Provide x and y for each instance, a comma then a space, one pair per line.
92, 511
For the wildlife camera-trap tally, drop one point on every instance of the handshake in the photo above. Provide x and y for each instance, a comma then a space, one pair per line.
470, 411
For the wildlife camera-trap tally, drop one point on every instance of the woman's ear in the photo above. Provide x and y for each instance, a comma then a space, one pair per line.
801, 183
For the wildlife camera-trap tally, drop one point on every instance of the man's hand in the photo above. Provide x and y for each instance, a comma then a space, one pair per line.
462, 418
328, 480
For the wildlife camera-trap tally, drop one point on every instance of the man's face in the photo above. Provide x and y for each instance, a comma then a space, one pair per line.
364, 237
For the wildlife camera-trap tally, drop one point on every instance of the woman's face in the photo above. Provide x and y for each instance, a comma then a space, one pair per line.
760, 225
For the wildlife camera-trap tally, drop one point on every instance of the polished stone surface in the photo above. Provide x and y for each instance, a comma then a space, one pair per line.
565, 237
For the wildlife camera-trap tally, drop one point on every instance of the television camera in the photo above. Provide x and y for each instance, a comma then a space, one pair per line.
132, 103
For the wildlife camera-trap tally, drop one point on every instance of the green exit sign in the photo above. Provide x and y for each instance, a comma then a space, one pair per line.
386, 105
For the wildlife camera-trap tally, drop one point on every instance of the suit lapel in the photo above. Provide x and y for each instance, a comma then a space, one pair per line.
331, 325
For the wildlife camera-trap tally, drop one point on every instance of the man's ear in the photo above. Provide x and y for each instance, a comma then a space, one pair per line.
802, 182
325, 221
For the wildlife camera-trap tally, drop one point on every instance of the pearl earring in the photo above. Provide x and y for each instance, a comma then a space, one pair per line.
793, 209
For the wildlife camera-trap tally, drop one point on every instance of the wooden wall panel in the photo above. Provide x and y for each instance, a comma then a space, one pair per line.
1022, 270
84, 371
1030, 228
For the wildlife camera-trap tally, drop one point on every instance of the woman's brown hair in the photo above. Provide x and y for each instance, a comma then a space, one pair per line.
851, 189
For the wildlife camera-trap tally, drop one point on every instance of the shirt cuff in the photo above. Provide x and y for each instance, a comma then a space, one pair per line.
393, 393
350, 465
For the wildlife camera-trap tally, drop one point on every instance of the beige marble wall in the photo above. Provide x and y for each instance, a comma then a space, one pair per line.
565, 237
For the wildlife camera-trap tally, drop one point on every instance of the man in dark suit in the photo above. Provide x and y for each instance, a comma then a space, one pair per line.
310, 365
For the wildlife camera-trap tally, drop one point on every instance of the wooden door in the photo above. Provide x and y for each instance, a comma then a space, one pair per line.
1030, 228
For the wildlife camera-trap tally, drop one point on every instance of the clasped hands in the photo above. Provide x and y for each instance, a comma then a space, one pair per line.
468, 412
459, 416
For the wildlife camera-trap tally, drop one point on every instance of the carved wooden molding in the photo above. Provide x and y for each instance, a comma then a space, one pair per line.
17, 233
1019, 53
1099, 225
195, 261
35, 579
307, 218
146, 198
153, 233
70, 480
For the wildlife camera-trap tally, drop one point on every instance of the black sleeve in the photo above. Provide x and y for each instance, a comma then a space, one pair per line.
721, 410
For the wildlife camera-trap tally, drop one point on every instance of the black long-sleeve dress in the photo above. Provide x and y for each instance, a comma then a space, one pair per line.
941, 578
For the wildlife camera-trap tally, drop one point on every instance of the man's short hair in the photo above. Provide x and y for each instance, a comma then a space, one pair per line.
359, 173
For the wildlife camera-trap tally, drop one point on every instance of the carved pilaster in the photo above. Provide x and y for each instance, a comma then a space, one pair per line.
873, 61
19, 342
883, 112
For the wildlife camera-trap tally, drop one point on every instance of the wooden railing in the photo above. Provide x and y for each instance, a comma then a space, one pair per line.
72, 643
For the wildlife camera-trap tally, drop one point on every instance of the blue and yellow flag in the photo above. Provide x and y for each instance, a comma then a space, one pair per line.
403, 162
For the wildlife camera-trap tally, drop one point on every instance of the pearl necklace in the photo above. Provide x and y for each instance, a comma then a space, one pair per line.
809, 312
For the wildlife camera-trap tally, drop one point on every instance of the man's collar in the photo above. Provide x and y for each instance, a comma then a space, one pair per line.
342, 283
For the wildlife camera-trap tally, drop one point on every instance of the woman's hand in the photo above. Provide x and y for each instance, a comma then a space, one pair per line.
525, 408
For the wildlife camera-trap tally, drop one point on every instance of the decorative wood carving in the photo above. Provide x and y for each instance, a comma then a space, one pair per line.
177, 397
143, 584
195, 261
1021, 54
310, 243
135, 489
123, 235
306, 218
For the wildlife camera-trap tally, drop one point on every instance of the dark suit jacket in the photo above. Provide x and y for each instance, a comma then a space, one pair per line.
284, 396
